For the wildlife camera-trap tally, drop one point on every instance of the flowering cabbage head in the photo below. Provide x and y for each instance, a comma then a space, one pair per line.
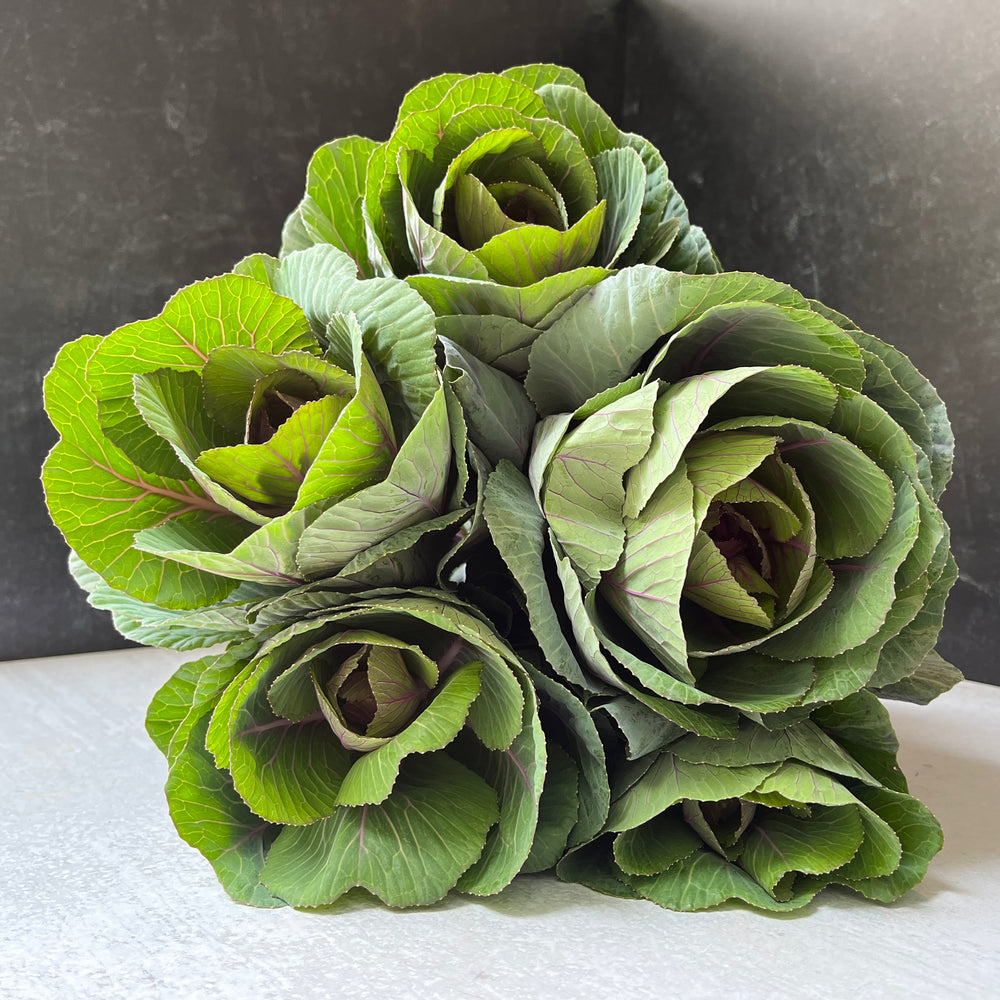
499, 194
389, 741
255, 435
733, 498
769, 818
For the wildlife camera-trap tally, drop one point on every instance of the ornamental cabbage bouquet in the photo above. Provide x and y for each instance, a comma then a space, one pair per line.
531, 539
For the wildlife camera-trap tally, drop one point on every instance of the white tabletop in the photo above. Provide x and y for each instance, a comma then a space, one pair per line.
103, 900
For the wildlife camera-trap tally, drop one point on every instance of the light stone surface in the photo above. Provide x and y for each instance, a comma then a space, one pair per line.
103, 900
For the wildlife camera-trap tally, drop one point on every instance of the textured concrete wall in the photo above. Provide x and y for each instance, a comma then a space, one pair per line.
851, 148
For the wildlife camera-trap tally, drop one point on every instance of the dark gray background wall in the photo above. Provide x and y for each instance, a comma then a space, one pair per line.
148, 144
849, 149
852, 149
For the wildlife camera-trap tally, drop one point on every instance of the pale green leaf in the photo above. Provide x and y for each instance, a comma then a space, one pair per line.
671, 779
601, 338
529, 305
558, 810
499, 414
152, 625
919, 834
518, 530
620, 181
413, 490
409, 850
583, 496
704, 880
645, 586
496, 340
778, 843
516, 774
212, 818
99, 498
397, 326
656, 845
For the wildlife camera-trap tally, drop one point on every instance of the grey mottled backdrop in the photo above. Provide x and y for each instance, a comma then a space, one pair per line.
850, 148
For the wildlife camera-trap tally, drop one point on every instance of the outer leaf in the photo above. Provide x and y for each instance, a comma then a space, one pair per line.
497, 340
229, 310
516, 775
211, 817
529, 305
739, 332
152, 625
173, 701
664, 216
645, 586
599, 341
592, 864
538, 75
331, 209
620, 181
937, 440
409, 850
705, 880
861, 725
671, 779
398, 328
805, 742
655, 846
414, 490
499, 414
919, 834
583, 497
573, 107
933, 677
427, 94
265, 556
558, 810
517, 528
644, 730
99, 498
564, 714
190, 694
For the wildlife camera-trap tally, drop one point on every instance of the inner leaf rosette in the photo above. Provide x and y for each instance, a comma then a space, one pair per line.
744, 519
273, 426
390, 741
500, 194
766, 818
